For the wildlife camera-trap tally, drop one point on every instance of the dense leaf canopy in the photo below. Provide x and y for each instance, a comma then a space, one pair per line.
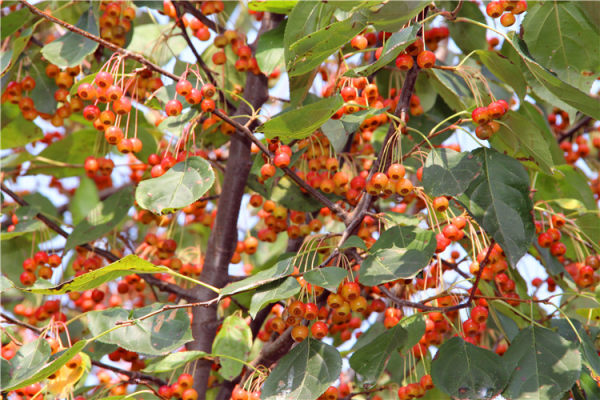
303, 200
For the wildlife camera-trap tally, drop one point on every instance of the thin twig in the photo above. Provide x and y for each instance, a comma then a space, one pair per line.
126, 53
573, 130
288, 171
199, 60
168, 307
424, 307
134, 375
160, 284
212, 25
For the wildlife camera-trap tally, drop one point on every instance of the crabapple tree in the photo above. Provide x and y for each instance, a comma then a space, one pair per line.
300, 200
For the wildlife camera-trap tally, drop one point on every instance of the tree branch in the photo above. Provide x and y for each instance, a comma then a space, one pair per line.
133, 375
223, 237
569, 133
126, 53
336, 209
199, 60
110, 257
424, 307
212, 25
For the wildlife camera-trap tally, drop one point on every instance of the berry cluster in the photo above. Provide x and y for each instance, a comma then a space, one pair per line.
182, 389
115, 21
506, 10
46, 263
485, 118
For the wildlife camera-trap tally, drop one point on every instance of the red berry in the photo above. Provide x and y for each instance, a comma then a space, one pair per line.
173, 108
103, 79
359, 42
183, 87
281, 160
426, 59
480, 115
494, 9
404, 62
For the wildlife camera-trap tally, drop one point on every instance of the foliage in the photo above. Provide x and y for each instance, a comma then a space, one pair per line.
300, 200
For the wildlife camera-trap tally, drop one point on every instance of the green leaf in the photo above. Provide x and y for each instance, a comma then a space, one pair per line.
5, 284
299, 86
13, 21
465, 371
276, 6
553, 266
180, 186
367, 337
338, 130
392, 48
415, 329
294, 124
18, 45
5, 57
55, 363
304, 373
574, 333
570, 183
499, 201
327, 277
27, 361
449, 173
310, 50
176, 125
544, 365
451, 88
84, 200
150, 41
157, 335
288, 194
279, 270
174, 361
354, 241
561, 89
557, 36
392, 16
16, 130
43, 93
399, 253
468, 37
102, 219
519, 134
234, 340
370, 360
504, 69
73, 149
71, 49
128, 265
269, 50
27, 222
271, 292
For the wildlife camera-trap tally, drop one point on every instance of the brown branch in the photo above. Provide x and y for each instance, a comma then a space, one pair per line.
212, 25
288, 171
451, 15
224, 234
110, 257
126, 53
569, 133
133, 375
168, 307
424, 307
56, 228
199, 60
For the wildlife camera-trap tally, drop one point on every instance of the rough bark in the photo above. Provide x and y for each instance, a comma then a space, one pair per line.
223, 237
